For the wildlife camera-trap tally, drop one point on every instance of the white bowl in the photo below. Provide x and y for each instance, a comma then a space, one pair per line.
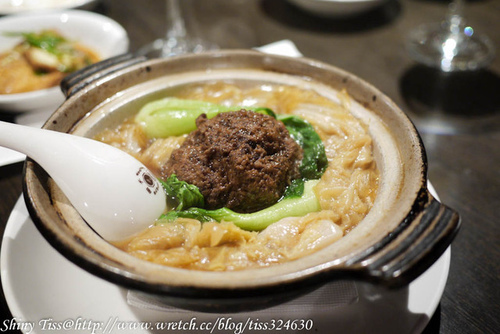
18, 6
337, 8
105, 36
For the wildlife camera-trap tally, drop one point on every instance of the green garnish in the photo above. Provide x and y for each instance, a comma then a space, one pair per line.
181, 194
46, 40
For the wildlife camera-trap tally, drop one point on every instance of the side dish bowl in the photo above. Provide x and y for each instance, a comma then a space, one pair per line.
337, 8
101, 34
404, 233
8, 7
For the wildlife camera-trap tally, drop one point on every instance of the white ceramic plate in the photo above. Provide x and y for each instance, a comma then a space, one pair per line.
96, 31
40, 284
18, 6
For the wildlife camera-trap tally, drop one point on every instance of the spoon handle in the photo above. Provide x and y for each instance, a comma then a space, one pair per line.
114, 192
31, 141
60, 154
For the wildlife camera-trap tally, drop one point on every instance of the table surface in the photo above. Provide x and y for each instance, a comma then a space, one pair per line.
458, 116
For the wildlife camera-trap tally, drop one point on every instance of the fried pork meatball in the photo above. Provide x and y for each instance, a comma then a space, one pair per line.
241, 160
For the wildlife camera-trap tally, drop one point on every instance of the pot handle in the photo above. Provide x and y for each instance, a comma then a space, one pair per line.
77, 80
412, 247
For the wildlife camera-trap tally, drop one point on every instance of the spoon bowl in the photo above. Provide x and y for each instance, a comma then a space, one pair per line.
129, 197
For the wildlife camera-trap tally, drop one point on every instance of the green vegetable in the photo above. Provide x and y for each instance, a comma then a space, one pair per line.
314, 161
295, 189
46, 40
173, 117
256, 221
182, 194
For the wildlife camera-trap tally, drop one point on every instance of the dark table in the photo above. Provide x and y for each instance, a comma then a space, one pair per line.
458, 116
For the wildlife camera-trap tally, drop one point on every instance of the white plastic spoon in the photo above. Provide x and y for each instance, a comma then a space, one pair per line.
114, 192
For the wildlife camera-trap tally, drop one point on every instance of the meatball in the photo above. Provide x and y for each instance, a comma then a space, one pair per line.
241, 160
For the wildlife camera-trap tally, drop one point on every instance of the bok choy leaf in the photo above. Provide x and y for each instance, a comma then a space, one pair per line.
256, 221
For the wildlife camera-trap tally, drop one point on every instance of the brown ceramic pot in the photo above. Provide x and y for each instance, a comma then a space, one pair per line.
405, 232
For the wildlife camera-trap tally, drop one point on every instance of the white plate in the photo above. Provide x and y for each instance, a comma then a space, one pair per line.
8, 157
18, 6
40, 284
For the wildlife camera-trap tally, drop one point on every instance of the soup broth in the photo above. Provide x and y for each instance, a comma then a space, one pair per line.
346, 191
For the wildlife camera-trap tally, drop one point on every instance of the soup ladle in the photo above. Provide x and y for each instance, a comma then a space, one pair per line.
114, 192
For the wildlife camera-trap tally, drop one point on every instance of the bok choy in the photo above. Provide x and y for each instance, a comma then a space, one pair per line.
172, 116
294, 206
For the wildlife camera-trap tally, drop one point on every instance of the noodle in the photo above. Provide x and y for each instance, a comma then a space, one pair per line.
346, 191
